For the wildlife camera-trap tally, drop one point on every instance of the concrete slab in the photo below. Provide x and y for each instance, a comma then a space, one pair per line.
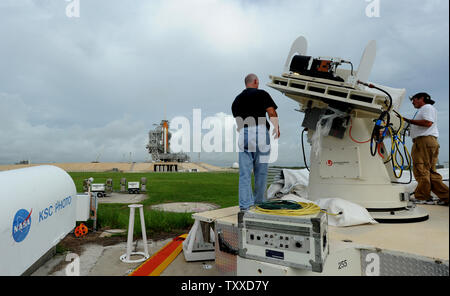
180, 267
49, 266
185, 207
109, 264
87, 261
97, 260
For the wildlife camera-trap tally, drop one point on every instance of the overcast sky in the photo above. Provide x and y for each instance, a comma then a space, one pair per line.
76, 89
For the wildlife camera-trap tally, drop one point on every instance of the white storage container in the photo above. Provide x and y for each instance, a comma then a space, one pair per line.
83, 207
37, 209
98, 187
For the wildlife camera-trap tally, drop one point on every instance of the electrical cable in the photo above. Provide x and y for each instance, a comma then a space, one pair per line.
350, 134
394, 153
379, 152
290, 208
351, 64
376, 136
370, 85
376, 139
396, 157
400, 139
382, 90
303, 150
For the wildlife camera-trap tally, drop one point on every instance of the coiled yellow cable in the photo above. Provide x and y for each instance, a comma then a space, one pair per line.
307, 209
395, 147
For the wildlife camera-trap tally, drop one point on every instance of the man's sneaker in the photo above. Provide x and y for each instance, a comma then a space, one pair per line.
443, 203
424, 202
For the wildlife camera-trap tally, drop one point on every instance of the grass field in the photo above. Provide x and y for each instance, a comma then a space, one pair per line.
218, 188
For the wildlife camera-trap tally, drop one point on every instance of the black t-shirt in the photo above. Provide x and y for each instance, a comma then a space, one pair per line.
250, 105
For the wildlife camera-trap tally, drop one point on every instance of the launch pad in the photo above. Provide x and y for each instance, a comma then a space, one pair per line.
159, 147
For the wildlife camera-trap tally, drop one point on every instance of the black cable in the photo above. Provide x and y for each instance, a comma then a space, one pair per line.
408, 159
225, 246
377, 128
375, 137
351, 64
389, 96
303, 150
280, 205
393, 161
370, 85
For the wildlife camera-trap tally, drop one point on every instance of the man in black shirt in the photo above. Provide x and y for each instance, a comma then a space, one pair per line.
249, 109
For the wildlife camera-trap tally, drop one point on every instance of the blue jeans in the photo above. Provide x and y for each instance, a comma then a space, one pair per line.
254, 151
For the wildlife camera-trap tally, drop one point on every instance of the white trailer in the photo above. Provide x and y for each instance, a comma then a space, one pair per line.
133, 188
99, 189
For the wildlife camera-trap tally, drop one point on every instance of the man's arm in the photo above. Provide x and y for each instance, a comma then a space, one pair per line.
420, 122
273, 116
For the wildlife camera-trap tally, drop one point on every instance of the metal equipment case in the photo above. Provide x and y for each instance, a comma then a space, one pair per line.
227, 244
293, 241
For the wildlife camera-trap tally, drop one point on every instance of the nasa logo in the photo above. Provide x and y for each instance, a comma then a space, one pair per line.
21, 225
329, 163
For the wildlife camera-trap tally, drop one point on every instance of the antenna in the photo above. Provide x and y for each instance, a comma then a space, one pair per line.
299, 46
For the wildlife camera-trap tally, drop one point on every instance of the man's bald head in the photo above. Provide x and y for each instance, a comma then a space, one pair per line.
251, 81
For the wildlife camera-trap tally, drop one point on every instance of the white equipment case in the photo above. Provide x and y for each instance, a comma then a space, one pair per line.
293, 241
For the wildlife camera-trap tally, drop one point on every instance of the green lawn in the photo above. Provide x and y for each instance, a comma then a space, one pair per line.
218, 188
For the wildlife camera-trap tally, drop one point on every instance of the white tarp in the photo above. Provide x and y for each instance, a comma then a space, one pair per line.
350, 213
291, 179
